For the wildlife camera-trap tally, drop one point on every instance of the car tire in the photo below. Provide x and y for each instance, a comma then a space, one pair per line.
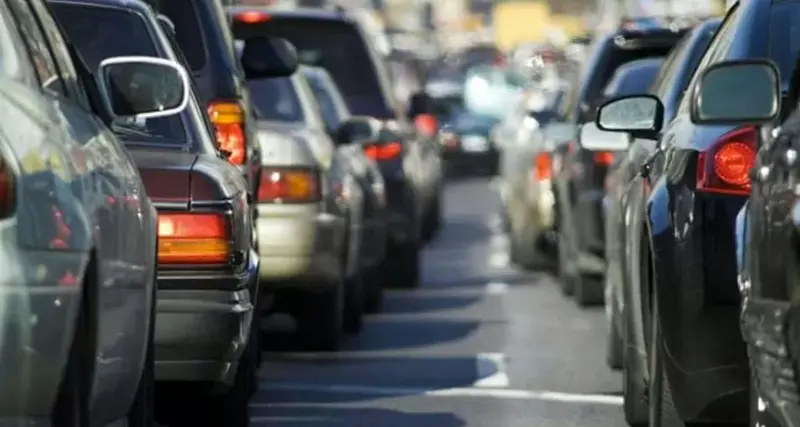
404, 265
613, 343
374, 291
320, 321
231, 408
254, 346
662, 412
354, 304
72, 405
588, 292
431, 223
142, 412
634, 390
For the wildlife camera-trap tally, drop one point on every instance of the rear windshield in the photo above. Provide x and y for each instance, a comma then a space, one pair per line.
326, 101
339, 48
632, 80
188, 33
101, 32
785, 38
275, 99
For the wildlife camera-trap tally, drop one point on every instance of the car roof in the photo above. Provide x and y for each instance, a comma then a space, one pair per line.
136, 5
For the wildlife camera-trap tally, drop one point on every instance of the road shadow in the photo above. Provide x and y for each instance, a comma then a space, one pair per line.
409, 303
362, 377
460, 233
319, 416
387, 334
481, 280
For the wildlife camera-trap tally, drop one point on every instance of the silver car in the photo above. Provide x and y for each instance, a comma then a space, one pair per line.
78, 233
310, 233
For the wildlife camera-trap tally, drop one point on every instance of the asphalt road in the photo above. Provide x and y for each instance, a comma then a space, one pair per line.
478, 344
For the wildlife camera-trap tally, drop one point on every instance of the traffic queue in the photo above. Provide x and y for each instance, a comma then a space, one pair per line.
663, 185
169, 180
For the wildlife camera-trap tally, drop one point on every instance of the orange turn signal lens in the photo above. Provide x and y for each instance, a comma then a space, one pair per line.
543, 167
189, 238
289, 186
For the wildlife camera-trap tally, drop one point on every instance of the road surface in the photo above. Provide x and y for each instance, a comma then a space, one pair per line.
477, 345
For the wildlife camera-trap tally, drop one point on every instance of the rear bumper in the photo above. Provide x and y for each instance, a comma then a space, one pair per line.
766, 330
202, 324
300, 247
470, 161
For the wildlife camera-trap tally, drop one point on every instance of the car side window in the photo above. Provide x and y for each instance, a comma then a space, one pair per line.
716, 51
38, 49
663, 79
69, 76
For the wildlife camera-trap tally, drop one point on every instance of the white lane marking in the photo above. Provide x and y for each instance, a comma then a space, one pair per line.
498, 260
494, 393
496, 288
491, 368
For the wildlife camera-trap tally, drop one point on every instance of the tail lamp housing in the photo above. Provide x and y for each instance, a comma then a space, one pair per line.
228, 120
383, 151
725, 167
289, 185
543, 167
186, 238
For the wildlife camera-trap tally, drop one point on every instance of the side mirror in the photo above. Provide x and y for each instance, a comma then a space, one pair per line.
755, 97
143, 87
166, 24
640, 115
357, 129
268, 57
594, 139
426, 124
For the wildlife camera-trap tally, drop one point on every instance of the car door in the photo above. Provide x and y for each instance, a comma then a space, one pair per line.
109, 190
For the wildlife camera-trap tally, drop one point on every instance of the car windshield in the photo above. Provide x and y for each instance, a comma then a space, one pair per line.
275, 99
339, 48
102, 32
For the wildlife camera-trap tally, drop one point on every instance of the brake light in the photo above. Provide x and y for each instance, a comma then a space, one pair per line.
543, 167
193, 238
252, 17
725, 167
386, 151
603, 158
228, 120
289, 186
8, 192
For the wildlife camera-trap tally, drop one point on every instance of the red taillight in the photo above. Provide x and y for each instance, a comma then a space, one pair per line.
289, 186
228, 120
251, 17
543, 167
603, 158
385, 151
193, 238
8, 191
725, 167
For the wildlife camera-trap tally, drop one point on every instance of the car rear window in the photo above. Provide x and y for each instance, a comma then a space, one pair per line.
102, 32
785, 38
275, 99
632, 80
615, 58
336, 46
188, 33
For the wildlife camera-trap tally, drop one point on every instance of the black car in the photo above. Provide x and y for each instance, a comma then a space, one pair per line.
335, 41
466, 144
204, 37
581, 181
682, 251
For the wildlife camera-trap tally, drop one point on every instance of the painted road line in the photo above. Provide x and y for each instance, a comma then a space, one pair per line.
491, 369
496, 288
491, 393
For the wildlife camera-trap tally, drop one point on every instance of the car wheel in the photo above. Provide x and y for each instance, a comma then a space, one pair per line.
634, 390
354, 304
403, 261
662, 411
588, 291
613, 337
432, 221
142, 412
254, 346
566, 277
374, 290
231, 408
320, 321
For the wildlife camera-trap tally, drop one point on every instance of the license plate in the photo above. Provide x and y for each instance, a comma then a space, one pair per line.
474, 143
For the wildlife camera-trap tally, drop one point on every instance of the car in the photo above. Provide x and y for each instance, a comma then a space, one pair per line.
206, 344
335, 114
316, 272
669, 86
580, 183
204, 37
79, 232
410, 164
682, 253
